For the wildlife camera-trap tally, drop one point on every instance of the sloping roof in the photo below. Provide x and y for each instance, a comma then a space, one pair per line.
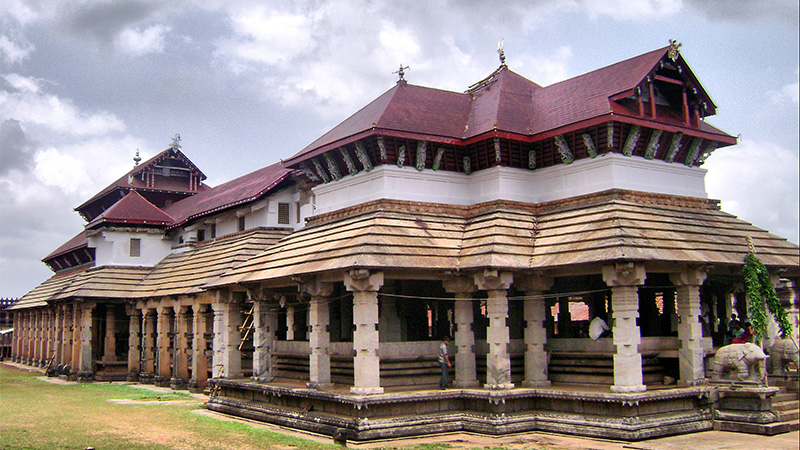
132, 209
604, 228
404, 108
86, 282
505, 101
187, 272
240, 190
80, 240
129, 181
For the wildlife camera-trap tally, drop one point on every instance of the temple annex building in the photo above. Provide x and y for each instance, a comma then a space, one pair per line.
314, 293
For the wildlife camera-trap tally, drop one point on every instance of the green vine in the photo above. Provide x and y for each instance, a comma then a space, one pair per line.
762, 297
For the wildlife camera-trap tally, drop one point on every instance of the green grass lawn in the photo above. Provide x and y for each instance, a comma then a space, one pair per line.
36, 414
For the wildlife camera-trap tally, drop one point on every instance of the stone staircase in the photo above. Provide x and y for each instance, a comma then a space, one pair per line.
597, 368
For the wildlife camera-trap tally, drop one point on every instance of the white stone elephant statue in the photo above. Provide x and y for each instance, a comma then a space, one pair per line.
781, 353
743, 358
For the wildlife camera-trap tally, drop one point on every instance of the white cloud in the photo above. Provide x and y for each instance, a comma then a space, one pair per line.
758, 182
266, 37
631, 9
13, 52
23, 84
26, 103
141, 42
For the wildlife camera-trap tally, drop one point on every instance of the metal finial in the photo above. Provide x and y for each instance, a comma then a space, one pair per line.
176, 142
501, 52
137, 158
673, 49
401, 73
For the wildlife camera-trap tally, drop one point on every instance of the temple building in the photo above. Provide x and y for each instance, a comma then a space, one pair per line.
314, 292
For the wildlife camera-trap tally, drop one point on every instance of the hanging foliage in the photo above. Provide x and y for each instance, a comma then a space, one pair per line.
762, 297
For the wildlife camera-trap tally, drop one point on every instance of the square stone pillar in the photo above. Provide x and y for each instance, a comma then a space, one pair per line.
180, 375
463, 289
263, 340
39, 348
76, 337
66, 351
134, 343
691, 355
110, 341
365, 285
85, 363
199, 360
624, 280
498, 360
58, 335
535, 314
149, 318
227, 356
163, 356
320, 336
289, 322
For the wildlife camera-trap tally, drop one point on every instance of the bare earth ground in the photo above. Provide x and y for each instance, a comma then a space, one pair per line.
103, 422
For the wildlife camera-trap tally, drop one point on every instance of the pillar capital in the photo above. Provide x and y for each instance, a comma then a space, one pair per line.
363, 280
624, 274
691, 276
316, 288
459, 285
534, 283
493, 280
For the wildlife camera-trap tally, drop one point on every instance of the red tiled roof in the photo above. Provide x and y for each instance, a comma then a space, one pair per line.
133, 209
128, 180
403, 108
80, 240
240, 190
505, 101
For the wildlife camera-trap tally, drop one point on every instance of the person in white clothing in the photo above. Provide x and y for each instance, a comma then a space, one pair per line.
597, 327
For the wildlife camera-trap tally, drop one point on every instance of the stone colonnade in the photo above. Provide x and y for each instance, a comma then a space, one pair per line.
168, 340
622, 279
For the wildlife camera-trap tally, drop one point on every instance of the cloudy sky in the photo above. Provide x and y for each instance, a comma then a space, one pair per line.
84, 84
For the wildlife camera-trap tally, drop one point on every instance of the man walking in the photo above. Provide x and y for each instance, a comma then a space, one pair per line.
444, 360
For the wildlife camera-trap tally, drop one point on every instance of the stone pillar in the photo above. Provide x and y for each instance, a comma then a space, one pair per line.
110, 347
219, 340
47, 339
180, 375
162, 343
149, 318
227, 356
38, 348
535, 314
624, 279
320, 338
289, 322
199, 361
691, 355
365, 285
134, 343
75, 359
85, 362
262, 343
463, 288
66, 350
498, 360
58, 335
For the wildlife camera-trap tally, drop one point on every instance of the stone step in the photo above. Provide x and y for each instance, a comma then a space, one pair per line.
791, 415
785, 405
765, 429
599, 379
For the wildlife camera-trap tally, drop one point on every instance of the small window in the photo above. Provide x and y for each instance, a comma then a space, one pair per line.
136, 247
213, 230
241, 223
283, 213
297, 207
201, 235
